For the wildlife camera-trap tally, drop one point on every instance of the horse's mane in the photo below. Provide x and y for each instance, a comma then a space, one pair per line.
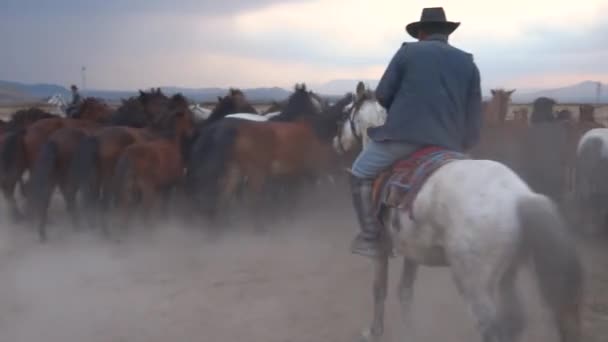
299, 104
542, 110
23, 116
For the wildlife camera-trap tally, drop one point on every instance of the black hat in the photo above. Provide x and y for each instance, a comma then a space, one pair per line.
433, 16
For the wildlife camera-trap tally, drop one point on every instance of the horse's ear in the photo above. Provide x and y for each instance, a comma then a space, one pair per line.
493, 92
141, 93
219, 99
510, 92
360, 89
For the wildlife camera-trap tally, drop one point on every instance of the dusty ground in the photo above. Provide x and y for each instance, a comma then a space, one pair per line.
294, 283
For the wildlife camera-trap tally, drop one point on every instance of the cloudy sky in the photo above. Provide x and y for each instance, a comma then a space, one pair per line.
127, 44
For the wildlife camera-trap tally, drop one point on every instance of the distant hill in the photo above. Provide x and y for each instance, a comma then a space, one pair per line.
35, 90
584, 92
19, 91
10, 95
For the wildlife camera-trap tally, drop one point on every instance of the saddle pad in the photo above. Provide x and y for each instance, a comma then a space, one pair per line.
398, 186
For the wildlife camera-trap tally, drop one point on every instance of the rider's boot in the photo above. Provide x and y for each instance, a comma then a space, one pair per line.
368, 242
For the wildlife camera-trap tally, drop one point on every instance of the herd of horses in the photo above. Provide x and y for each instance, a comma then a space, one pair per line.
153, 149
479, 216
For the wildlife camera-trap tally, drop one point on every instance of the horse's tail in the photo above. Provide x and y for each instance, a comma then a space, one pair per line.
41, 185
210, 157
11, 149
84, 170
557, 264
123, 182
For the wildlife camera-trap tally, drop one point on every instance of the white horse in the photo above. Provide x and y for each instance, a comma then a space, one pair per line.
200, 113
481, 220
590, 186
59, 104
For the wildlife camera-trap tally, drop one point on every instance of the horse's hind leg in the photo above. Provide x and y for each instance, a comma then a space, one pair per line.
8, 190
379, 291
406, 291
69, 195
488, 295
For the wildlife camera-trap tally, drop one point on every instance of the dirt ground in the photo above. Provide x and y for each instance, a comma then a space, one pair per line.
294, 282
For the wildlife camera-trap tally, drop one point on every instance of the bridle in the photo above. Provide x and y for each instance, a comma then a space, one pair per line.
351, 121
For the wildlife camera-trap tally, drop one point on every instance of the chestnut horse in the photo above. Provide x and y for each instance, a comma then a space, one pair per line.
9, 177
148, 169
51, 166
94, 164
294, 144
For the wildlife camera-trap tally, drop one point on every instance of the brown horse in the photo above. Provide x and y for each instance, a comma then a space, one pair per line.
93, 166
21, 149
9, 176
500, 138
148, 169
290, 146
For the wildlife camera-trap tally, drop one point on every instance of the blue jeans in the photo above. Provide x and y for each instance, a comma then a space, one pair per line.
377, 156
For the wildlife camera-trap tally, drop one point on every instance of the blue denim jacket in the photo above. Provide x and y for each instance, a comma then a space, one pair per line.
432, 94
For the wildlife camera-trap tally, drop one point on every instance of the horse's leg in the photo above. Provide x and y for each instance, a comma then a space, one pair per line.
255, 193
510, 308
8, 190
379, 291
70, 202
473, 277
149, 199
406, 291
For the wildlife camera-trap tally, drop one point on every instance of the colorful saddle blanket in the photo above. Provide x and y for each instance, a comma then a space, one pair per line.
398, 186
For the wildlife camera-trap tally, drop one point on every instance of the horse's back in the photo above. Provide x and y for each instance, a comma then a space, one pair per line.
480, 193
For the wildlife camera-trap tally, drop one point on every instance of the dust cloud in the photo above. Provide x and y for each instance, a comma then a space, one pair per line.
295, 281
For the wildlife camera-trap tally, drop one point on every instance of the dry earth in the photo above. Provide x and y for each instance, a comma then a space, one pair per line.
295, 282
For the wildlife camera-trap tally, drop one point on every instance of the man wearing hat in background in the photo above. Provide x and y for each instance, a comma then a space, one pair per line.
432, 94
76, 101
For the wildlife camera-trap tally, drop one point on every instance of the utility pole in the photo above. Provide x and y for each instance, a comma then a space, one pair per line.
598, 93
83, 75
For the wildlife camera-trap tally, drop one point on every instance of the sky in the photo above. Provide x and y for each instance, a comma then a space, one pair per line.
128, 44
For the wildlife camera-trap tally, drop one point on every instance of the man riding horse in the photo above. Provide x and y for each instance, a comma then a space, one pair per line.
432, 94
76, 102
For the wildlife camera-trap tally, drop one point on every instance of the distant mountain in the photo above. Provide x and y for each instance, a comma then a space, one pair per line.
9, 94
35, 90
9, 89
584, 92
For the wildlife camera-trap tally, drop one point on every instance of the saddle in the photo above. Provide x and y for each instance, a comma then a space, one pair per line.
398, 185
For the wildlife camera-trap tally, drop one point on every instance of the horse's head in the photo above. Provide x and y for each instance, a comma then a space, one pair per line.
177, 121
327, 124
499, 105
301, 104
154, 102
586, 113
234, 102
364, 112
542, 110
93, 109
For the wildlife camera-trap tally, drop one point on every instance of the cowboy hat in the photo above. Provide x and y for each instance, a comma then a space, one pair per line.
433, 16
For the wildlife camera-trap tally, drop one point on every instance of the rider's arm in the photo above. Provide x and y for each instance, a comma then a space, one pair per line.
473, 120
391, 80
